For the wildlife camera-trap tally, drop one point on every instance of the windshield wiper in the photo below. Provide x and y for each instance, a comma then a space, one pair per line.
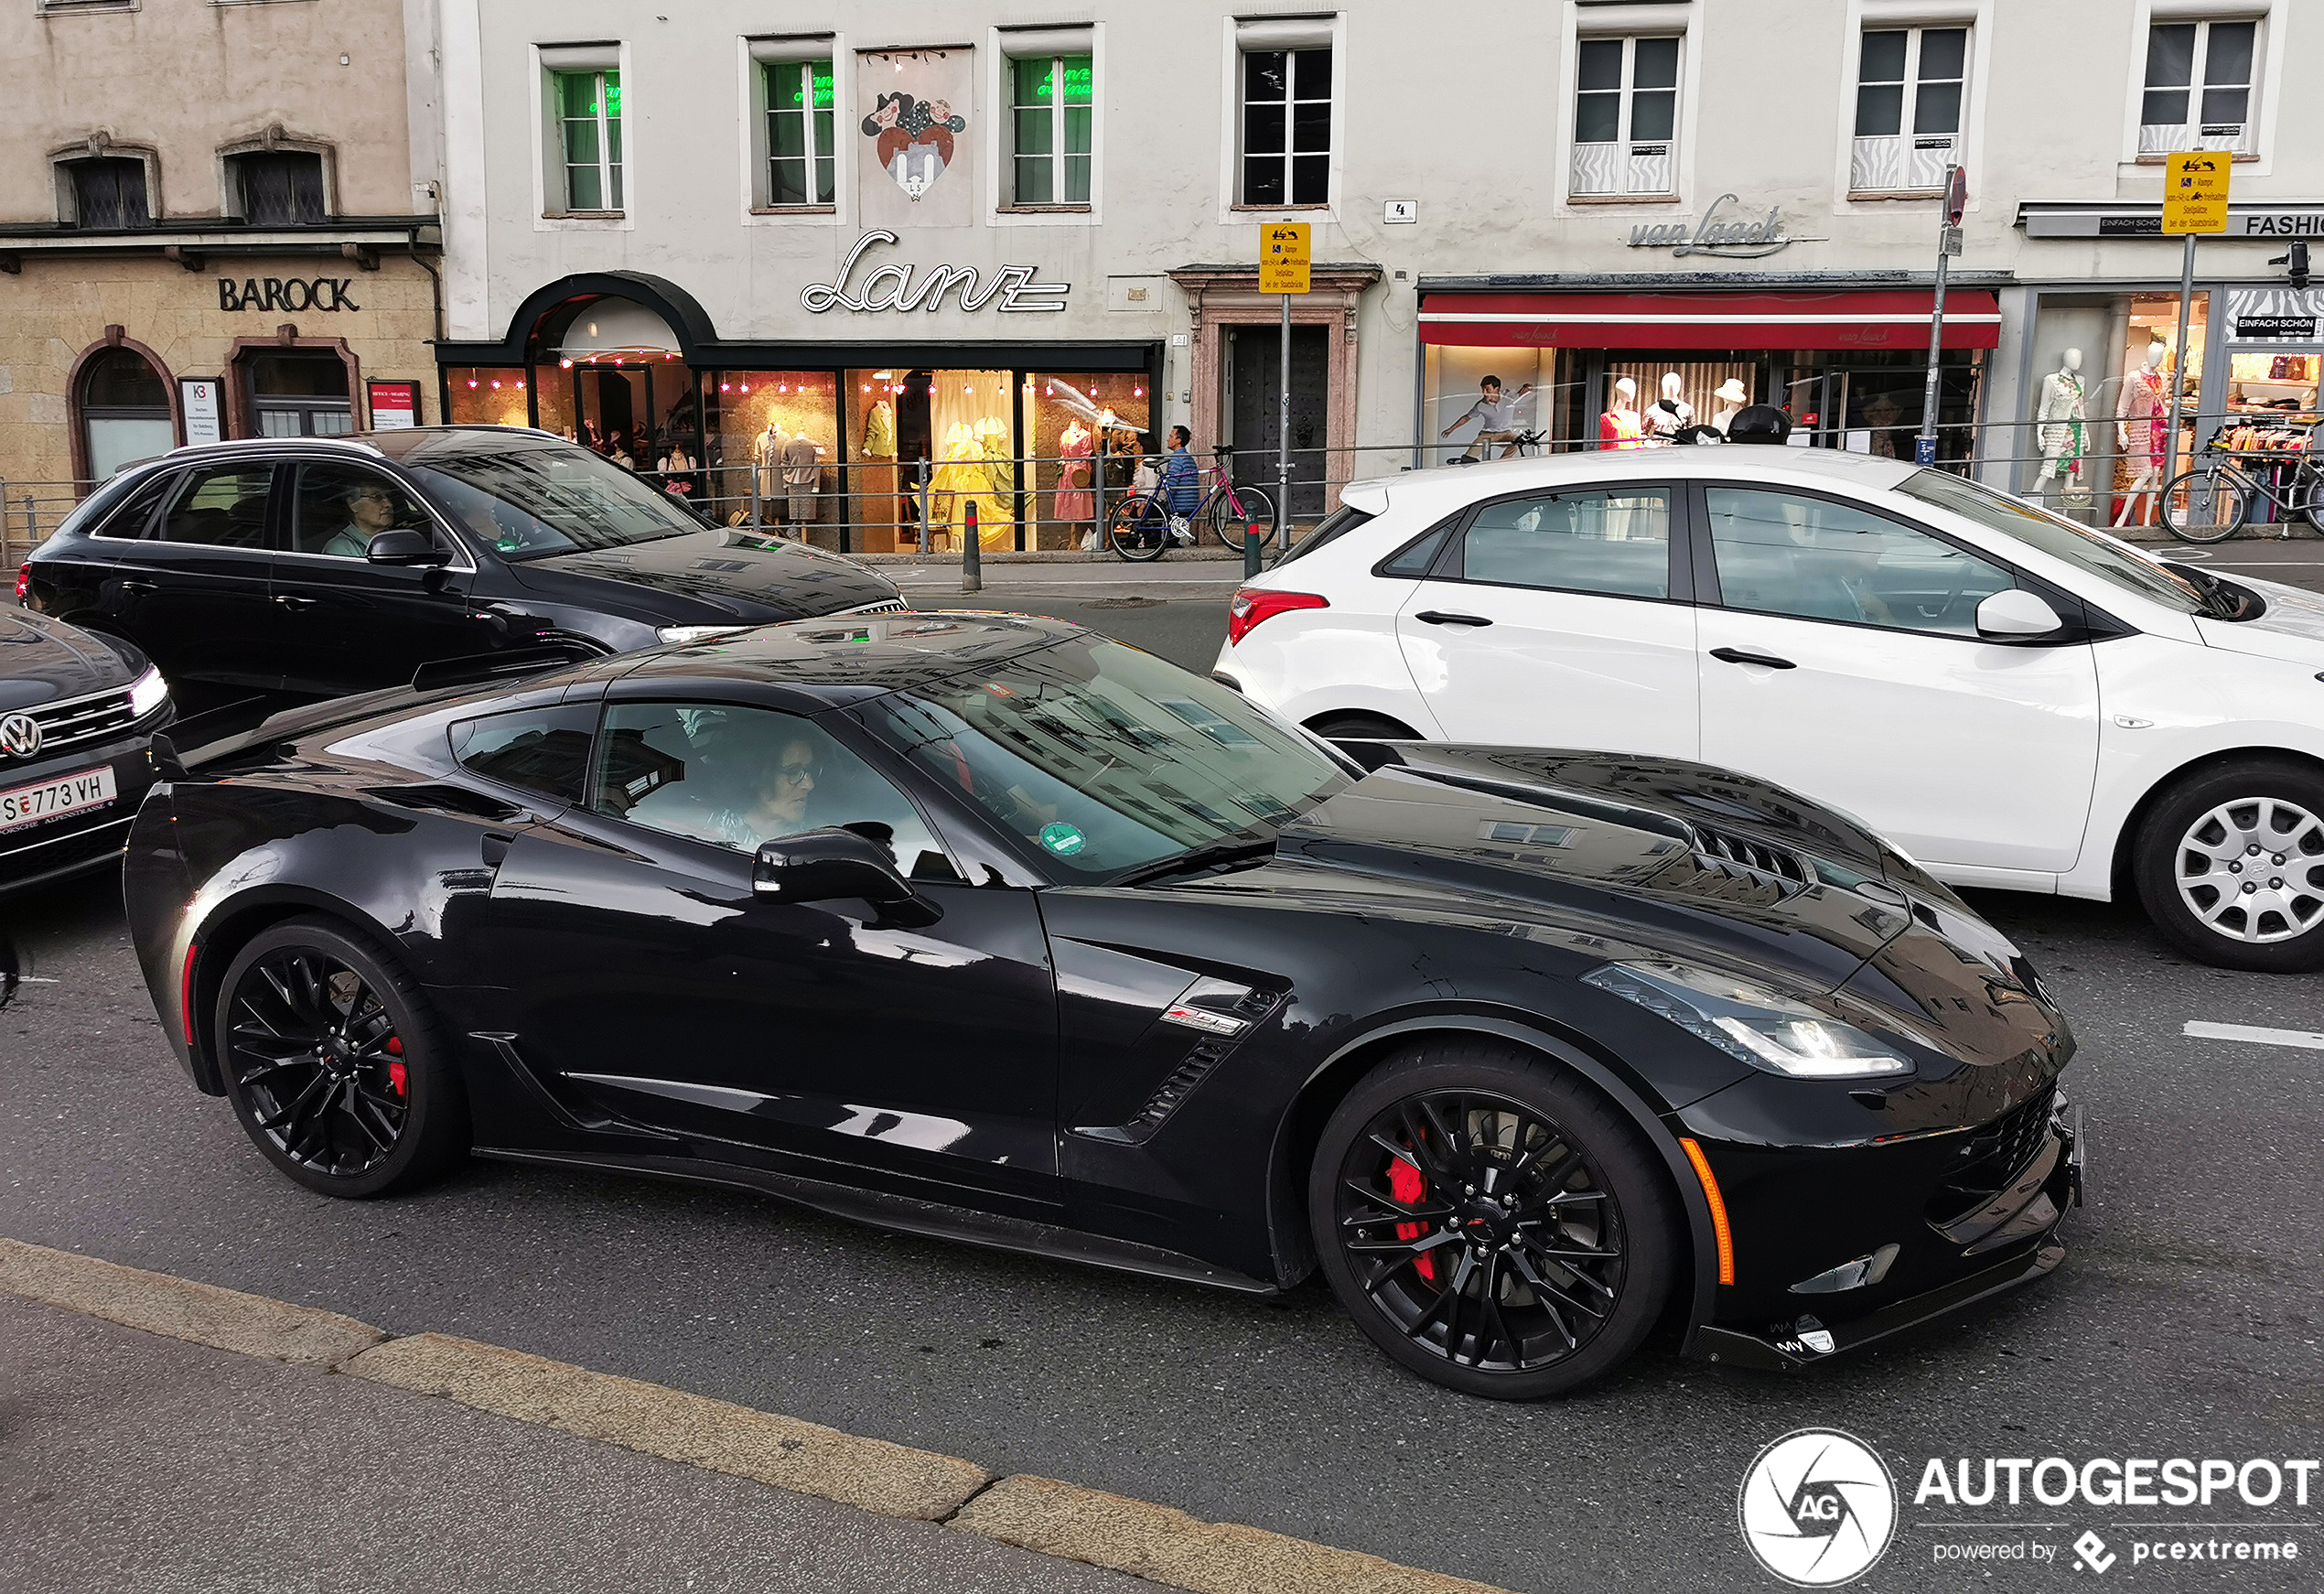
2222, 599
1241, 847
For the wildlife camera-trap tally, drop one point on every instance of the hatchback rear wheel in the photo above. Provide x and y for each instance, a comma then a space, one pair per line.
1491, 1222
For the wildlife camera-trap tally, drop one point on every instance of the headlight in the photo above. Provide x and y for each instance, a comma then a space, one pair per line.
697, 633
147, 692
1751, 1023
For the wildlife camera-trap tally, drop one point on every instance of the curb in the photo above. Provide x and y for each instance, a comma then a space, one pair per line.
1158, 1543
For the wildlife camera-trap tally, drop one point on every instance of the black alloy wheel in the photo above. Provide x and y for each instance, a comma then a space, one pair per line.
1491, 1221
332, 1063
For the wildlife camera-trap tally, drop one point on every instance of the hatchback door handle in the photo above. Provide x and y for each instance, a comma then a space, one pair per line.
1745, 656
289, 602
1438, 617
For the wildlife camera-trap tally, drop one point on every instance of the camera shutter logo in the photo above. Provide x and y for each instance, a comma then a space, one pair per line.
20, 735
1817, 1508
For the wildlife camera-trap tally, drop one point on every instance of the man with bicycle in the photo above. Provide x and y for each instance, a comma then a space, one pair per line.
1495, 416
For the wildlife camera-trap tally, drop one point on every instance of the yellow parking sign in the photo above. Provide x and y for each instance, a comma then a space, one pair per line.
2195, 191
1283, 257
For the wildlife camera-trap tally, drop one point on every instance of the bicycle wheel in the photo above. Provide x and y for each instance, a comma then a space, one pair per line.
2311, 490
2204, 505
1136, 529
1257, 510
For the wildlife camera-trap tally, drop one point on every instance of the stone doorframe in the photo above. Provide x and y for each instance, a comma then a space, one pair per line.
1219, 296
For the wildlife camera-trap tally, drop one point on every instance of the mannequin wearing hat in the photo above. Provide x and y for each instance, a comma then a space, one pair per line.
1732, 396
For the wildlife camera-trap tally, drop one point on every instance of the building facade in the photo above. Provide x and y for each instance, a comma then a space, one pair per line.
216, 220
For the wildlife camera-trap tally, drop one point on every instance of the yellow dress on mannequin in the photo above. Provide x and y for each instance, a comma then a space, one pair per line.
961, 477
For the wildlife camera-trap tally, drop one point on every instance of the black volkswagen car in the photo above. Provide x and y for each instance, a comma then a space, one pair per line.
983, 926
325, 565
78, 713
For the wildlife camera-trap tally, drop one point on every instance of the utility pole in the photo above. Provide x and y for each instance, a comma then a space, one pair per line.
1956, 203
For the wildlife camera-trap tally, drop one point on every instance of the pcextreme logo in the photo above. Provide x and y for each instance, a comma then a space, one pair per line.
1817, 1508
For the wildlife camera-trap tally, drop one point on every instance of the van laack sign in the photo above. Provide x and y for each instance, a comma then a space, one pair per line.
287, 292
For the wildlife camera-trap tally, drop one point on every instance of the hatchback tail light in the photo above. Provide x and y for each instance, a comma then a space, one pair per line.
23, 580
1253, 603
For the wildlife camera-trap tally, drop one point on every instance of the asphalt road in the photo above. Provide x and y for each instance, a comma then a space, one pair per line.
2186, 1322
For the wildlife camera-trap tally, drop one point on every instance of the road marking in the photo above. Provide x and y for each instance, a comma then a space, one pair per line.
2254, 1034
1156, 1541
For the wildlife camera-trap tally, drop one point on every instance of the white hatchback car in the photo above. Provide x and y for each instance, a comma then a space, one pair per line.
2015, 700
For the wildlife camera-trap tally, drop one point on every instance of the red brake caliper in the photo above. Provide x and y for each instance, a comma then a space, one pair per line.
395, 1070
1406, 1185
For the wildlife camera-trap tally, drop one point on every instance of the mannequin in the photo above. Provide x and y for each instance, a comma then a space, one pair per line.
803, 476
1621, 426
1669, 414
2063, 441
2139, 423
1075, 502
766, 459
1732, 396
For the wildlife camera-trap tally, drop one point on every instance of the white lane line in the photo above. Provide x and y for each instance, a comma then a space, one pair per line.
2256, 1034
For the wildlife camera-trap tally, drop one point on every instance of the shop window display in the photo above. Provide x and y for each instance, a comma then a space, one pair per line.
483, 396
1071, 417
1454, 387
2143, 408
881, 406
972, 441
776, 452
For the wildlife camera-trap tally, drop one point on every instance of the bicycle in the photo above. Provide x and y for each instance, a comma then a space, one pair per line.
2218, 489
1140, 526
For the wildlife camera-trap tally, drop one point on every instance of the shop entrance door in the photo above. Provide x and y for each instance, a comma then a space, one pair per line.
1253, 400
616, 407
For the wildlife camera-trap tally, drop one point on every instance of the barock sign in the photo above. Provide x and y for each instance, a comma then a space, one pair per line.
1735, 238
896, 287
287, 292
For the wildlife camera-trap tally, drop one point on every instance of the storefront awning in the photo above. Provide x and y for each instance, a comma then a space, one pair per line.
1872, 318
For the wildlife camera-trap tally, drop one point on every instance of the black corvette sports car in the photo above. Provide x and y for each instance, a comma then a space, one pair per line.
982, 926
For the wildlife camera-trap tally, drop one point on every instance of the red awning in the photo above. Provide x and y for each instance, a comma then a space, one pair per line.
1869, 318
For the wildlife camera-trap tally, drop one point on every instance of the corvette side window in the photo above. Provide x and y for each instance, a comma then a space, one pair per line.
739, 777
1813, 558
541, 751
1614, 540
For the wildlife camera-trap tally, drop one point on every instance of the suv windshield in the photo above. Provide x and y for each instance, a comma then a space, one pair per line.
1100, 758
2061, 538
531, 501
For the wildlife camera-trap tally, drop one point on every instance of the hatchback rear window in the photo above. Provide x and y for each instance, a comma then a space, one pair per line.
1337, 524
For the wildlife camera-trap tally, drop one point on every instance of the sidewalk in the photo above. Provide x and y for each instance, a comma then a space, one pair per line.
128, 1459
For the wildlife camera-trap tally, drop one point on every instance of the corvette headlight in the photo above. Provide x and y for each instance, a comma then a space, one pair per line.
1750, 1022
147, 692
697, 633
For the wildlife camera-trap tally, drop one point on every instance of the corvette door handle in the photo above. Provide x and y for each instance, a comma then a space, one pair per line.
1438, 617
1745, 656
496, 847
140, 587
289, 602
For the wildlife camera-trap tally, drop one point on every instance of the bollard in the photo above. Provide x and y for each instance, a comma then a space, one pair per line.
1251, 545
927, 538
972, 553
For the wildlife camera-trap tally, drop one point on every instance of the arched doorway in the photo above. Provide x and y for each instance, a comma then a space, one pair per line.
125, 413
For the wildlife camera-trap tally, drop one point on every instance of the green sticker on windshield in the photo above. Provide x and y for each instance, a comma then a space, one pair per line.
1062, 839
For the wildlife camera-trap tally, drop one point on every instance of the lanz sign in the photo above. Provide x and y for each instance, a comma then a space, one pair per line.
286, 293
1731, 235
893, 286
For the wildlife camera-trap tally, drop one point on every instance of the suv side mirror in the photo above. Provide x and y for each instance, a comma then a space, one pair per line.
405, 547
2015, 612
819, 866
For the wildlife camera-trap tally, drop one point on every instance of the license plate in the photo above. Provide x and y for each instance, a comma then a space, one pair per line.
73, 793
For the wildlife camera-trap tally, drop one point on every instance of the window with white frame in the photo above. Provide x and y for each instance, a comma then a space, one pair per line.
2201, 82
1910, 97
588, 113
1051, 102
802, 151
1626, 118
1286, 127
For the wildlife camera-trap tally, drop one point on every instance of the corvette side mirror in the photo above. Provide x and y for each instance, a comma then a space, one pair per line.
2014, 612
821, 866
404, 547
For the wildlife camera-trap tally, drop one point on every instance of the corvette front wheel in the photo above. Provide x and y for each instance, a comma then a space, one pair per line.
1491, 1222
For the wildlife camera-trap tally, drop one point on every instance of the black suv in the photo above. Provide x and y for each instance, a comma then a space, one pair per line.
77, 715
325, 565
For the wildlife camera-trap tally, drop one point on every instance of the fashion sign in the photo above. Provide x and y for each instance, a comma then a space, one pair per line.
893, 286
1730, 235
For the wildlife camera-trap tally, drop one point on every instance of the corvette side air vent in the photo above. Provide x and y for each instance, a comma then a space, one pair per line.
1191, 1072
1717, 846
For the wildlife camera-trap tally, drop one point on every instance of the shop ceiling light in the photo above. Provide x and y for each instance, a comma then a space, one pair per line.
566, 364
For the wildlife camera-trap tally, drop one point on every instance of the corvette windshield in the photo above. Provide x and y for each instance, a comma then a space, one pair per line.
1101, 757
2061, 539
531, 501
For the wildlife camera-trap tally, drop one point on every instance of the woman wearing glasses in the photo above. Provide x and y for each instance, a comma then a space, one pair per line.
370, 509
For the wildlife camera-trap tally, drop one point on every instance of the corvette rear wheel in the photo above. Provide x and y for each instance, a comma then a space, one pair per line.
1491, 1222
334, 1064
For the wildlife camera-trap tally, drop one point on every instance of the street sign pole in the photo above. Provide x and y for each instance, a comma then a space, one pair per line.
1956, 201
2194, 202
1283, 269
